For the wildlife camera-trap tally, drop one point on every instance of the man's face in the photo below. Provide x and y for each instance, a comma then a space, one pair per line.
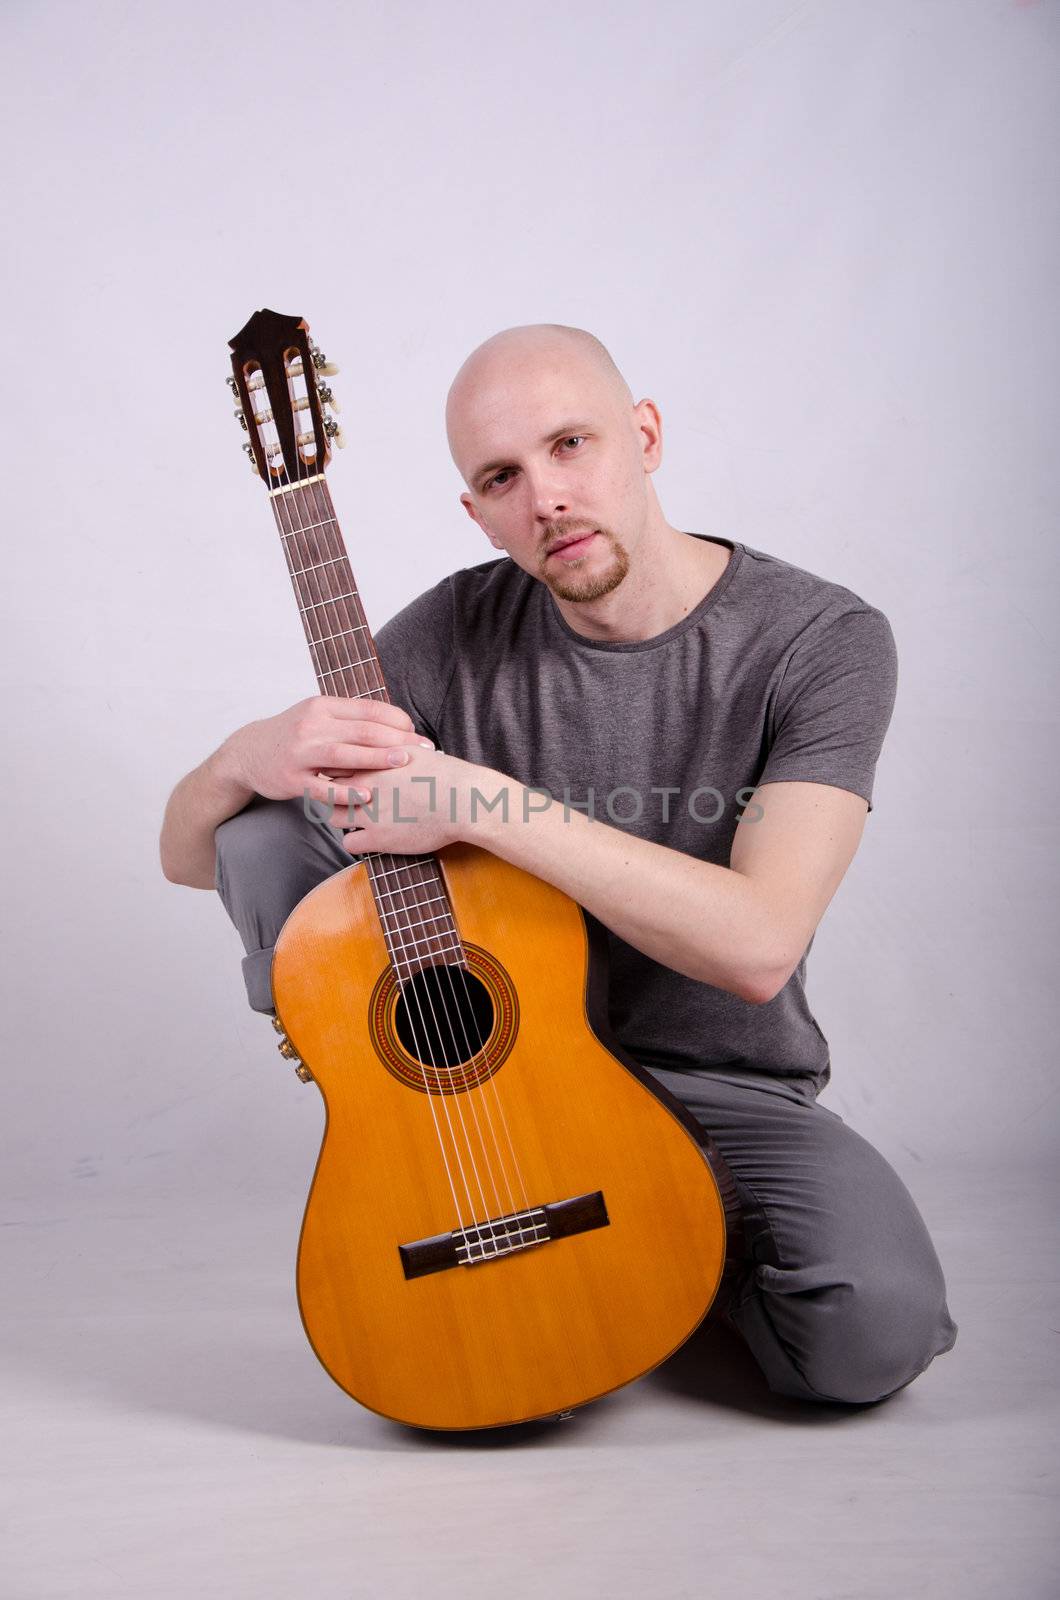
552, 453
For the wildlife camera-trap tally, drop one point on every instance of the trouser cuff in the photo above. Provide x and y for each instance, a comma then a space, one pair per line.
257, 975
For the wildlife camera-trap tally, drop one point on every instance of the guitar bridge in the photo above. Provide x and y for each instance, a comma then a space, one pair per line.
503, 1236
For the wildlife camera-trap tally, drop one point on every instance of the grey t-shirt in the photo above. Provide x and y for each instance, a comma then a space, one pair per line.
776, 674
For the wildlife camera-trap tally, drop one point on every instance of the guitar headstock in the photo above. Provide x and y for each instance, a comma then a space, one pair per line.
279, 384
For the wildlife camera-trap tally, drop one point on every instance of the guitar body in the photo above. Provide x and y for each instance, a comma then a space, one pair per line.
519, 1335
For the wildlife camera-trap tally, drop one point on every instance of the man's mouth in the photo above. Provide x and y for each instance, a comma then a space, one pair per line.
574, 547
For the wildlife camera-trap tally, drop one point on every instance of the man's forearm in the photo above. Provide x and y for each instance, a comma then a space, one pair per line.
705, 921
198, 805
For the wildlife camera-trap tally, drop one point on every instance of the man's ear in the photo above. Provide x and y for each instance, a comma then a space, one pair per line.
649, 433
472, 511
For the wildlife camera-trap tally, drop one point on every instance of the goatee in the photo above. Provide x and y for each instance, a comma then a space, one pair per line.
572, 582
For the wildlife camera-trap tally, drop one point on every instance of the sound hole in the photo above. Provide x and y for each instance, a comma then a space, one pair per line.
443, 1016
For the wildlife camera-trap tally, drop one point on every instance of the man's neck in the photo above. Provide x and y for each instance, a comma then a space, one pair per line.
670, 575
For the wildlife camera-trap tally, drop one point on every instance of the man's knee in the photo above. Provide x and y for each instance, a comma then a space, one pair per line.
847, 1299
263, 829
268, 857
275, 838
868, 1338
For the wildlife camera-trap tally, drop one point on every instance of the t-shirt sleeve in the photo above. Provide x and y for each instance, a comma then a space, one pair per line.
415, 650
834, 705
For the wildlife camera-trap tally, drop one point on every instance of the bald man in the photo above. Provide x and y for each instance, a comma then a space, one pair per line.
681, 733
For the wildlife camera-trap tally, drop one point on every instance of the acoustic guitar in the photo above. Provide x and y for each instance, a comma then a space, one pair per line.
509, 1217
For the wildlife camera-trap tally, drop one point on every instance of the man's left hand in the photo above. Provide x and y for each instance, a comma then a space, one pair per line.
414, 809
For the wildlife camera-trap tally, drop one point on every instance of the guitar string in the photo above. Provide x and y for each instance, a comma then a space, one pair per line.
323, 515
309, 607
339, 669
321, 518
318, 644
449, 974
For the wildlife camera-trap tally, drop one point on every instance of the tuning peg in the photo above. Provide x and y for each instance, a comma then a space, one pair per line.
232, 384
333, 431
320, 361
327, 397
241, 419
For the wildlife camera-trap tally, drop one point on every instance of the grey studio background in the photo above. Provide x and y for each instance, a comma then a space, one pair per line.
823, 237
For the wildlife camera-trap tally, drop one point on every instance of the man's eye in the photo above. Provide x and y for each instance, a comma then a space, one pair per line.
496, 481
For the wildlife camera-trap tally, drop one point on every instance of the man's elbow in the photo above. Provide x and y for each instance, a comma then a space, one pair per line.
752, 987
182, 872
188, 880
174, 875
764, 985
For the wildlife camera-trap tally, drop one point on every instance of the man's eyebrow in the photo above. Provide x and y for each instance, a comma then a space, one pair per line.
561, 432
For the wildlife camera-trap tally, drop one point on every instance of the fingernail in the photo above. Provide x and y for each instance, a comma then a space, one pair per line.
397, 758
429, 743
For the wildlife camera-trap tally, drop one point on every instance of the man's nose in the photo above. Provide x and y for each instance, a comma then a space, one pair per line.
547, 496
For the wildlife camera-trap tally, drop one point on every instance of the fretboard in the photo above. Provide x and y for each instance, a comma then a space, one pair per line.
410, 892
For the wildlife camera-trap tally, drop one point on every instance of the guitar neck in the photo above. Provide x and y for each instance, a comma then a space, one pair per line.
340, 641
410, 893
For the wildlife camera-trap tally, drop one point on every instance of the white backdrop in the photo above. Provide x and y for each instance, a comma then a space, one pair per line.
822, 236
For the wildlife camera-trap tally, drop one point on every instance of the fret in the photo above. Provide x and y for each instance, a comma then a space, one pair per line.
415, 966
411, 973
357, 663
297, 572
310, 527
405, 889
397, 927
414, 861
409, 968
418, 962
336, 672
451, 949
419, 922
412, 904
392, 894
351, 596
353, 628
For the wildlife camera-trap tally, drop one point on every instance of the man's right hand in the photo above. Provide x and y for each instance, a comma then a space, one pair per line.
325, 735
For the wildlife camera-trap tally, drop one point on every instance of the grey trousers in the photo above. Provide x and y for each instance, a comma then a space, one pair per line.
839, 1295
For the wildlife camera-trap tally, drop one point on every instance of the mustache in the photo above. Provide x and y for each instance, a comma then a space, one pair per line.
558, 533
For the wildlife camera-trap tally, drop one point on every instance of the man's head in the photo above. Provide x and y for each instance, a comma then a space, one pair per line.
543, 429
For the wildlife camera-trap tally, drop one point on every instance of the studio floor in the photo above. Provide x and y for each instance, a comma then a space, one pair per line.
168, 1432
